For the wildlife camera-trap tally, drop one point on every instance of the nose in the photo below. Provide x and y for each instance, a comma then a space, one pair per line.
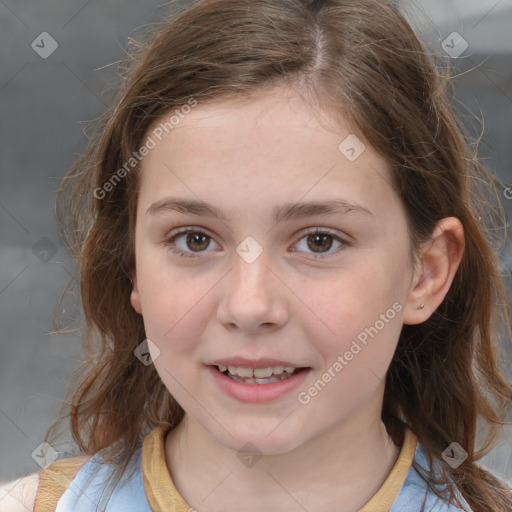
254, 297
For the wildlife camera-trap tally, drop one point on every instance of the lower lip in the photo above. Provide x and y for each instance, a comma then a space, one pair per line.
257, 392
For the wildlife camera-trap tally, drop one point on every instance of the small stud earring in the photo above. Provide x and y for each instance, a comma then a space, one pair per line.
421, 307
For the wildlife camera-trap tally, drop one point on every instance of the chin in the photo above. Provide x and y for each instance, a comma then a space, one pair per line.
269, 437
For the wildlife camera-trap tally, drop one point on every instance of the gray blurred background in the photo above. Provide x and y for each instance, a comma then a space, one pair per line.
47, 99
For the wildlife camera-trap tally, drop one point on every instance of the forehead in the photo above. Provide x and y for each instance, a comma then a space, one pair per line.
277, 144
277, 111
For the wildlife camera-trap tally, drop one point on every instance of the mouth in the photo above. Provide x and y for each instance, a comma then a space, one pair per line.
257, 380
264, 375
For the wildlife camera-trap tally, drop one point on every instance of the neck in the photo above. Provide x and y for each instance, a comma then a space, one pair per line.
338, 470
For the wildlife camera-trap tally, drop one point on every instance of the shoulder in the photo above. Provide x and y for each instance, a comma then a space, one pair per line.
41, 490
19, 495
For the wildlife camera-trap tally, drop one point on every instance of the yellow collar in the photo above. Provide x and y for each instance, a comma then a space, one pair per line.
386, 495
160, 490
163, 495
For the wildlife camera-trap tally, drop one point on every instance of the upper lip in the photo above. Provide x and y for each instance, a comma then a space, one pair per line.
253, 363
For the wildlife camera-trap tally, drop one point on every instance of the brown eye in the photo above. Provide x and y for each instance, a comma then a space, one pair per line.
197, 241
320, 242
189, 243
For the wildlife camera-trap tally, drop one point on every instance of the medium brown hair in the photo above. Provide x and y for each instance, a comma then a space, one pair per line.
358, 59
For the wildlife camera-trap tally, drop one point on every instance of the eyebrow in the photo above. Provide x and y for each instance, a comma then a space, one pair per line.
280, 213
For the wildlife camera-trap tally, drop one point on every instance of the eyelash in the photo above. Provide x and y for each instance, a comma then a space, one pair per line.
316, 231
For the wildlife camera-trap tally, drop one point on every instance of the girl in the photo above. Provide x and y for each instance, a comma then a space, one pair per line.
290, 296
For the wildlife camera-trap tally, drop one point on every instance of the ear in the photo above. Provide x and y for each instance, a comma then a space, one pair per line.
135, 296
439, 261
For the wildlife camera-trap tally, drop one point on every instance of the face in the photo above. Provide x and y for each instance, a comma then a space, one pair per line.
244, 267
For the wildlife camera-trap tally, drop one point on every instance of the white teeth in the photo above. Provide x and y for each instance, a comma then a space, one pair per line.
257, 373
245, 372
263, 373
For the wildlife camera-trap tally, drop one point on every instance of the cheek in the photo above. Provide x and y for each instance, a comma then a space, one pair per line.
363, 315
355, 298
174, 309
361, 319
174, 321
